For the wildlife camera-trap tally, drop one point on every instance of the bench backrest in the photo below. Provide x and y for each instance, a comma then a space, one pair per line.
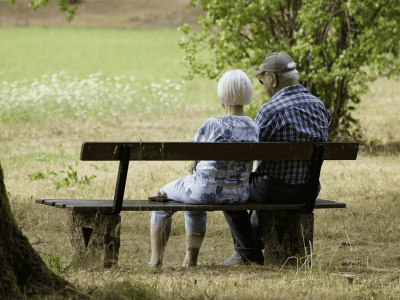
159, 151
167, 151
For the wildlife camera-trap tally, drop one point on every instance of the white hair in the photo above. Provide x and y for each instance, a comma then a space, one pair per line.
291, 74
234, 88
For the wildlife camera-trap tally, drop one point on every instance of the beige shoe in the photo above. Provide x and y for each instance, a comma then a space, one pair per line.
159, 239
193, 244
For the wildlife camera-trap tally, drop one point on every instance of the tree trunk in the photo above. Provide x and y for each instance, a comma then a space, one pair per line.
22, 271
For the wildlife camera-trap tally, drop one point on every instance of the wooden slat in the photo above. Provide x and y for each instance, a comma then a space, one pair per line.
158, 151
145, 205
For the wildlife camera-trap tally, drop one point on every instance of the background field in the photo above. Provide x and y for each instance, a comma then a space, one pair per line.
103, 14
99, 96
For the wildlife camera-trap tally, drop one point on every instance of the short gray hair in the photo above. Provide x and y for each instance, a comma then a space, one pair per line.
234, 88
291, 74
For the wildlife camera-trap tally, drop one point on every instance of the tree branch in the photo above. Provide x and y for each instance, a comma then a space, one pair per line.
374, 16
349, 29
246, 37
327, 25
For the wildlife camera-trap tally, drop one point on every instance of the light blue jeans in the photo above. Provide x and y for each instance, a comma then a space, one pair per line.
195, 221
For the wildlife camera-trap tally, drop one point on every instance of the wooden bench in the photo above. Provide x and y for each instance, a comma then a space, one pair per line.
287, 229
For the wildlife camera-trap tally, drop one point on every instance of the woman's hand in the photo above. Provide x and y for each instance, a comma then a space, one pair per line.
192, 166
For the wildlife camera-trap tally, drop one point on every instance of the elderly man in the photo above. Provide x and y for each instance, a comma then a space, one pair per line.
292, 114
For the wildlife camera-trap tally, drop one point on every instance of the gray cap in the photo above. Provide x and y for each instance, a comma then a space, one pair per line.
276, 62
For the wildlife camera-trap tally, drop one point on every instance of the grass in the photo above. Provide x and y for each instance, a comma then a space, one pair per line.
32, 52
356, 249
70, 71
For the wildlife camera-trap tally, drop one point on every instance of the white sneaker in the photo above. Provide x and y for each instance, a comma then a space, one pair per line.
232, 261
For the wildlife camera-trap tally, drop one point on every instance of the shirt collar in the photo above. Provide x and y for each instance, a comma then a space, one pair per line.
293, 89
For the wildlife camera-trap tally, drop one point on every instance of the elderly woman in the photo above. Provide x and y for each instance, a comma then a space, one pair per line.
211, 182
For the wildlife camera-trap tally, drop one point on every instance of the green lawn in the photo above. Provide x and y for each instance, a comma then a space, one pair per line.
64, 72
29, 53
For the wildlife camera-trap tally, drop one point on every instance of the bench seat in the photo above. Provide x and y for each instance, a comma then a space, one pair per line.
104, 206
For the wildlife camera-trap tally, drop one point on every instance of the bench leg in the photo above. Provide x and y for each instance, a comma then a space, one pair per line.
286, 235
95, 239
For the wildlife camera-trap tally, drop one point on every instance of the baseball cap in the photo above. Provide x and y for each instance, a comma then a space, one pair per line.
276, 62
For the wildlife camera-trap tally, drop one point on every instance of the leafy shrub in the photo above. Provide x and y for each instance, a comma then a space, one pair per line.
339, 46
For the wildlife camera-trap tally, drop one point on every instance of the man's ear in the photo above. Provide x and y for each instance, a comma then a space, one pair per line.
274, 80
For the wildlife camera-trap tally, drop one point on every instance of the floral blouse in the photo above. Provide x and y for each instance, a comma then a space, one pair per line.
222, 182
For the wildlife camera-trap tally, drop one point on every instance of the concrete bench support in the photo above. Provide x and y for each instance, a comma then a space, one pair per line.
286, 234
95, 238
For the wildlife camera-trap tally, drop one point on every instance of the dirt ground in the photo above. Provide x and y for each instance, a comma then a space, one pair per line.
137, 14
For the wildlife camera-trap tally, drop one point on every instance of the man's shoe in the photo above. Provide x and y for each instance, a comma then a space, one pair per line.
232, 261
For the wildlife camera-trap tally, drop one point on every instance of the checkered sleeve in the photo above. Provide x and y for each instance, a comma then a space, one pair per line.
268, 124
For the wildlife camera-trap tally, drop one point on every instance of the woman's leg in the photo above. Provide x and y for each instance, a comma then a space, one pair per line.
160, 229
195, 224
195, 221
174, 191
161, 222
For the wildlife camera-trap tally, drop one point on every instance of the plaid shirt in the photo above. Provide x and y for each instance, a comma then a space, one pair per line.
291, 115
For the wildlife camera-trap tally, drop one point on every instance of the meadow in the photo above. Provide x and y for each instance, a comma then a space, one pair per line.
60, 87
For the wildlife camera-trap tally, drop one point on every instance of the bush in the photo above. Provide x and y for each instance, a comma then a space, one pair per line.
339, 47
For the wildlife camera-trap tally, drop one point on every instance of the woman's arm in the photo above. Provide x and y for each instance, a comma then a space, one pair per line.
192, 166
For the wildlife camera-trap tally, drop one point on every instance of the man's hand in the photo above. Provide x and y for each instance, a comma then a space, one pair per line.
192, 166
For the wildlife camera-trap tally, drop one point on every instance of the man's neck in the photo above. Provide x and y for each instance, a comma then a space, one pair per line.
284, 84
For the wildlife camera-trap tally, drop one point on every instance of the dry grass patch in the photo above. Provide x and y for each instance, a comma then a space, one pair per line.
356, 251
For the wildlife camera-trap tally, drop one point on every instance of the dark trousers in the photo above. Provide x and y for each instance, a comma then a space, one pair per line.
246, 234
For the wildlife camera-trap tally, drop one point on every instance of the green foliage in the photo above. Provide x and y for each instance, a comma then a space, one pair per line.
258, 101
63, 4
40, 175
58, 263
339, 46
99, 168
71, 178
36, 175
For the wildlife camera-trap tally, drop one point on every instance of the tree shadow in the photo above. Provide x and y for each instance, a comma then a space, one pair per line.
377, 148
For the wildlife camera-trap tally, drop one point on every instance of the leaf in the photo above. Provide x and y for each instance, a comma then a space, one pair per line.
36, 175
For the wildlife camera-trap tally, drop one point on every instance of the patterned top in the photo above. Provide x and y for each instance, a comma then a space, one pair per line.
292, 115
222, 182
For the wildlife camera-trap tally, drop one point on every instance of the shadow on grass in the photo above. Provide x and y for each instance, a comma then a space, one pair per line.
125, 290
376, 148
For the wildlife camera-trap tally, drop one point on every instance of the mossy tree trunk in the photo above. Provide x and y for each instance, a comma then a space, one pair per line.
22, 271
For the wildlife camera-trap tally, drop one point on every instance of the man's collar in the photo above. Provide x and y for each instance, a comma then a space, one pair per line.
298, 88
